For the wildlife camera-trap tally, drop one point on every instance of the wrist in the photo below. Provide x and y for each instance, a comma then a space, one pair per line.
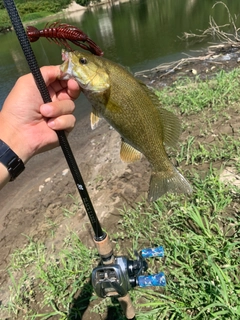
14, 140
10, 160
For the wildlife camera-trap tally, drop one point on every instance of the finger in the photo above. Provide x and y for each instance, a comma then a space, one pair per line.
73, 89
57, 108
66, 89
51, 77
50, 74
65, 122
67, 95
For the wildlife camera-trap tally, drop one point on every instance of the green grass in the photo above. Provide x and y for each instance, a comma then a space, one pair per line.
192, 96
202, 244
192, 151
201, 234
56, 279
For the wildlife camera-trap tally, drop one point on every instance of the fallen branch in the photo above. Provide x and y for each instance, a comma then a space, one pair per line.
172, 66
228, 41
215, 31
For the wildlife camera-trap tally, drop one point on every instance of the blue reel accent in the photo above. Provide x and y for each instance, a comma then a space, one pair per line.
152, 280
152, 252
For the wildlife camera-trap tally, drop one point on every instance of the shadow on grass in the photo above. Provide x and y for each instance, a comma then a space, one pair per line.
81, 303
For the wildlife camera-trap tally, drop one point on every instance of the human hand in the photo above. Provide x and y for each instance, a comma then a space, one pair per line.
27, 125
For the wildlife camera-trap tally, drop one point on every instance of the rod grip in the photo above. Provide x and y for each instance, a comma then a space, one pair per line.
152, 280
127, 306
152, 252
104, 248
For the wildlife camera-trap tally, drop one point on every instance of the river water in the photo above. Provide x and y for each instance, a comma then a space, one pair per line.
139, 34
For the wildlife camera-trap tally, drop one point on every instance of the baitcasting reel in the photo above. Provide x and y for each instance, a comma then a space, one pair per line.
119, 277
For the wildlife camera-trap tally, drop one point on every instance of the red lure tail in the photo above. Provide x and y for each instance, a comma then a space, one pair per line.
60, 33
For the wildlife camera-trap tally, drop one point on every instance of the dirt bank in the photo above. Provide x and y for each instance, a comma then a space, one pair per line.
39, 198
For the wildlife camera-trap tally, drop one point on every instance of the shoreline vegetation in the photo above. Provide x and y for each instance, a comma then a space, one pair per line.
31, 10
35, 11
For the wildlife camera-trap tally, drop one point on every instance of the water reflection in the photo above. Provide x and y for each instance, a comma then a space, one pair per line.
19, 60
139, 34
189, 6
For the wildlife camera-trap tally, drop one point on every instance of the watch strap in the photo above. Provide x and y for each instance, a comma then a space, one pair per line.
10, 160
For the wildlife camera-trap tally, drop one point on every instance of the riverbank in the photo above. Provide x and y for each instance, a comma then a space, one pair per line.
43, 204
203, 65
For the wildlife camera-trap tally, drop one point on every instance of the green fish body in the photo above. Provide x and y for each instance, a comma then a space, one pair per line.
133, 110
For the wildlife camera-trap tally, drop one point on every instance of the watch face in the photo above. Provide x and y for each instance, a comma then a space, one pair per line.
10, 160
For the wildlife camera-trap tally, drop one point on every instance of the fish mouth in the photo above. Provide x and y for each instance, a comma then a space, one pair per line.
66, 67
67, 70
65, 55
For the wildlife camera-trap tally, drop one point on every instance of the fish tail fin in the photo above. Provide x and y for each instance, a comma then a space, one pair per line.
162, 182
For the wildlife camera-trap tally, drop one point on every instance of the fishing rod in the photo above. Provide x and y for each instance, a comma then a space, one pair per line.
114, 276
33, 65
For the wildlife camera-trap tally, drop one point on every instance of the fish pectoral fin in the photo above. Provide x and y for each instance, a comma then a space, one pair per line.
95, 117
162, 182
128, 153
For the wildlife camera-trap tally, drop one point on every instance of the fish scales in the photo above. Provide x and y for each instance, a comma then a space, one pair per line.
133, 110
133, 96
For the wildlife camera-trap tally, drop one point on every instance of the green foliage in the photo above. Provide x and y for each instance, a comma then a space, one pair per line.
1, 5
38, 6
86, 2
4, 20
83, 2
30, 10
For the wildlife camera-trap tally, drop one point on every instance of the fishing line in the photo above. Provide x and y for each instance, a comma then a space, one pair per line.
33, 65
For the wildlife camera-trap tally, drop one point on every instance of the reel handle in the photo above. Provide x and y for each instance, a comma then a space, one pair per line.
152, 252
152, 280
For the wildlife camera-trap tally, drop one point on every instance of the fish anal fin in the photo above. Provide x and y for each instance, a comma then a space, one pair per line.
162, 182
128, 153
94, 118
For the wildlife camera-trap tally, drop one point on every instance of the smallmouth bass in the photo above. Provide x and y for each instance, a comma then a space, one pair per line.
134, 111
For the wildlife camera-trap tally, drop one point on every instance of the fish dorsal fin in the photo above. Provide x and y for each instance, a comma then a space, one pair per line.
171, 127
150, 92
94, 118
170, 122
128, 153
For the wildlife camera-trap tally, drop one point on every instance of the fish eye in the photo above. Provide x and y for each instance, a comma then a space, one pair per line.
83, 60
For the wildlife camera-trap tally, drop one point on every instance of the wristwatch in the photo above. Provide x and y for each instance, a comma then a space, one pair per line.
10, 160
